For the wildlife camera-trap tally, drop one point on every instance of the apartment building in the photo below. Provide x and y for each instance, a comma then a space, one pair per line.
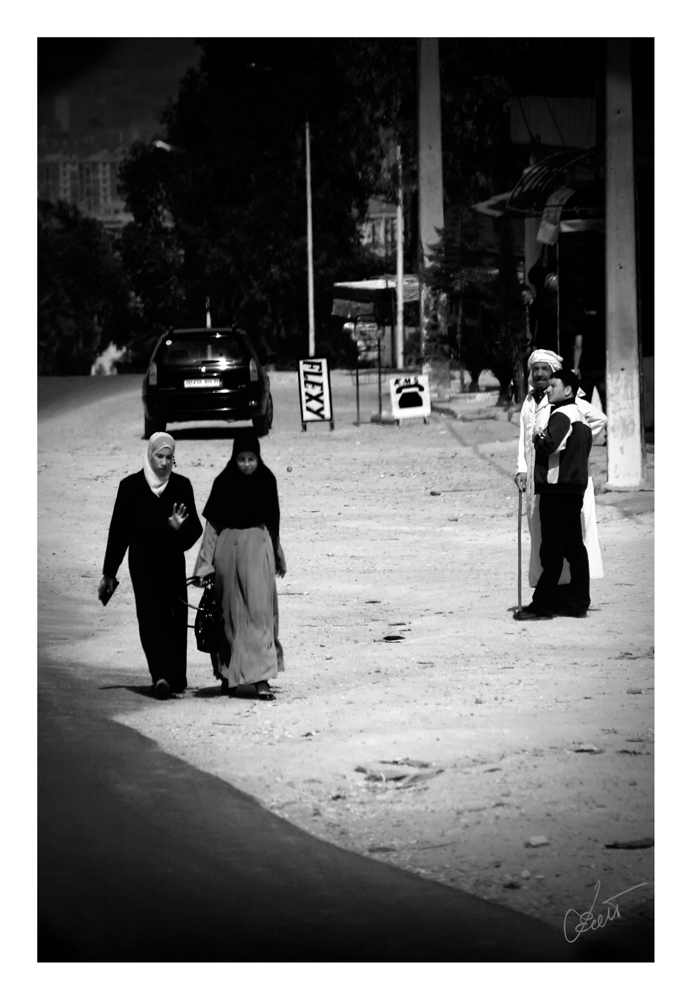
89, 182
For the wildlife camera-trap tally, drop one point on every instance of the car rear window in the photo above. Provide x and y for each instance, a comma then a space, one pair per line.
200, 349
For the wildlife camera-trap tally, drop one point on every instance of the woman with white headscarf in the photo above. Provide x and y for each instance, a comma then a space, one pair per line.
156, 519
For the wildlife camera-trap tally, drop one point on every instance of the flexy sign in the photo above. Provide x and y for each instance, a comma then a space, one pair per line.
315, 392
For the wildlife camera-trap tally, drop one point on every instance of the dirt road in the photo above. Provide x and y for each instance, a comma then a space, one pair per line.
416, 722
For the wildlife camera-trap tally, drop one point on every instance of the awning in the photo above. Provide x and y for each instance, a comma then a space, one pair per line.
496, 206
577, 169
580, 171
351, 298
550, 223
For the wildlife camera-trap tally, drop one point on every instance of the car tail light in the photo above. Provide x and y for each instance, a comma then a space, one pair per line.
254, 374
153, 375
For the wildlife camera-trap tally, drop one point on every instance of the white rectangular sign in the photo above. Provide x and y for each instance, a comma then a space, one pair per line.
410, 396
315, 390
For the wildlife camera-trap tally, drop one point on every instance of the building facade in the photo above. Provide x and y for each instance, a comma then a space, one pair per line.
88, 182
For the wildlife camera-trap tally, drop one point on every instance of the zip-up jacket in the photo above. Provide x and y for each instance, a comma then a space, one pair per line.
562, 452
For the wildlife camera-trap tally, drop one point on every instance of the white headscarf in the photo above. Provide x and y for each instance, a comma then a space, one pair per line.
546, 358
157, 483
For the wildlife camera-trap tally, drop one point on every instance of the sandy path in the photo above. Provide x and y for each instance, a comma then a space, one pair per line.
514, 731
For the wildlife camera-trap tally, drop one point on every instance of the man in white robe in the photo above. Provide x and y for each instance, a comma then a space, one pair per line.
534, 416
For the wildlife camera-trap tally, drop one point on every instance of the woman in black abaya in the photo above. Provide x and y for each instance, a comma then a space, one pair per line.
155, 518
241, 548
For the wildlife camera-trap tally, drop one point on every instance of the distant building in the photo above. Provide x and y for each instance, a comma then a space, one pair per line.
88, 182
378, 231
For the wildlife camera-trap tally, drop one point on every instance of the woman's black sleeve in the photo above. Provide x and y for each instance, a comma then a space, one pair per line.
273, 516
119, 533
191, 528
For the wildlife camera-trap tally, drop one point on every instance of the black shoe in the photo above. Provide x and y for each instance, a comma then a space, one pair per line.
526, 615
571, 612
264, 692
162, 689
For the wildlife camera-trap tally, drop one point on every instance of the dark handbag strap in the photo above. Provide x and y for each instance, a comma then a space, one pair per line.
192, 606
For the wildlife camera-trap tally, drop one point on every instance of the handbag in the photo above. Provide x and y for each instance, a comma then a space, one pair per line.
208, 621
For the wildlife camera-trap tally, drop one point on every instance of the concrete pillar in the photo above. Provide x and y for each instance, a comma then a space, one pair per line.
399, 343
430, 201
626, 448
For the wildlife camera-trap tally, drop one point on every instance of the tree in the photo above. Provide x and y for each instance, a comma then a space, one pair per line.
83, 295
509, 319
475, 80
463, 268
225, 210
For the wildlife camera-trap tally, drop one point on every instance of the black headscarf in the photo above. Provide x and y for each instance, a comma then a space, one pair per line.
240, 501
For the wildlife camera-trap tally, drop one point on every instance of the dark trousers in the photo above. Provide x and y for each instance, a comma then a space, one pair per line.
561, 538
162, 618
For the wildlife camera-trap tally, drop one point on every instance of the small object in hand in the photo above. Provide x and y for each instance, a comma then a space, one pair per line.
106, 591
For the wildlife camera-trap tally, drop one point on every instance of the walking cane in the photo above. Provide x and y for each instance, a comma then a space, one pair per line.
519, 548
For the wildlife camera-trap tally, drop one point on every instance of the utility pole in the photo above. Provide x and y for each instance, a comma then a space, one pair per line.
399, 360
625, 442
311, 280
430, 206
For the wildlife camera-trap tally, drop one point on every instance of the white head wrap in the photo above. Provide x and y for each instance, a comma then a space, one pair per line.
159, 440
546, 358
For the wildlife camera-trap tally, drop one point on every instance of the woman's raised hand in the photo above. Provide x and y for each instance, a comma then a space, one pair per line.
178, 516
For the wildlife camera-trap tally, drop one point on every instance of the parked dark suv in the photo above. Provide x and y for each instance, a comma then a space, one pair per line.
206, 374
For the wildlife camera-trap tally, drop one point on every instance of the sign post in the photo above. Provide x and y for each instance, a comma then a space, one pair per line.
315, 392
366, 334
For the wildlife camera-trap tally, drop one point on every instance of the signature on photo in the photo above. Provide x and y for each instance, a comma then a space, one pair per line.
576, 923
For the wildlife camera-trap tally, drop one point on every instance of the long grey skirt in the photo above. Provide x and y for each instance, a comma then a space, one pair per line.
245, 585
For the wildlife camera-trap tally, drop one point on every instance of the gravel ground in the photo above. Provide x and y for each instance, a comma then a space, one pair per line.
416, 722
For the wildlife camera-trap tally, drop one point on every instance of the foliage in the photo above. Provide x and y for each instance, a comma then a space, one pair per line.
83, 299
509, 319
475, 90
474, 264
222, 215
461, 270
233, 188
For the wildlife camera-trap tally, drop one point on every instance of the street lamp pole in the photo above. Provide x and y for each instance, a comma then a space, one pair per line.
311, 281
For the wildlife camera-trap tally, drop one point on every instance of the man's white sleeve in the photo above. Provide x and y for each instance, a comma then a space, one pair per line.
521, 455
595, 418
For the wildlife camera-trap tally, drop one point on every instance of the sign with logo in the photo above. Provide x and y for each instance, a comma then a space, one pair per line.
315, 391
410, 396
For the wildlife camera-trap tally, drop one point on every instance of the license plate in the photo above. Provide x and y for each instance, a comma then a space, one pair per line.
202, 383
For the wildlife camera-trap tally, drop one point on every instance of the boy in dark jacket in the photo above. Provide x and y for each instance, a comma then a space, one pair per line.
560, 477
